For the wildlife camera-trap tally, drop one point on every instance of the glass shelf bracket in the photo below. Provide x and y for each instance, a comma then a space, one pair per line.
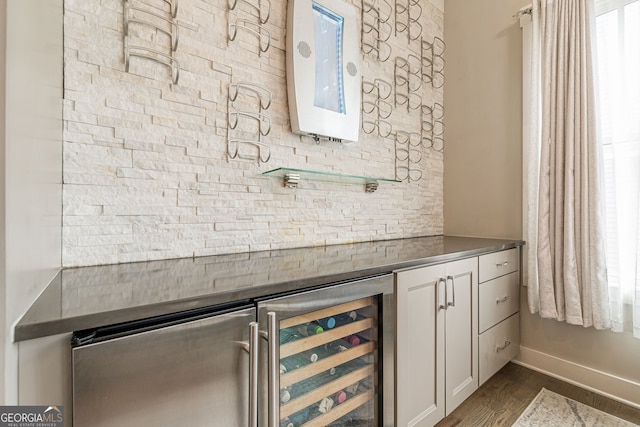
291, 177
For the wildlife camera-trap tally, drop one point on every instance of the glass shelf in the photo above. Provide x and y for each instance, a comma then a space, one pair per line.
292, 177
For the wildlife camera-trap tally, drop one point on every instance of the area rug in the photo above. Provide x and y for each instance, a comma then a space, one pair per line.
550, 409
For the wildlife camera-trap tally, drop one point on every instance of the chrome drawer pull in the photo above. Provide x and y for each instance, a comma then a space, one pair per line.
506, 344
503, 299
502, 264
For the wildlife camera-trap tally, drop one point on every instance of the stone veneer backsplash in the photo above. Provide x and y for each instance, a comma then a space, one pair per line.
146, 170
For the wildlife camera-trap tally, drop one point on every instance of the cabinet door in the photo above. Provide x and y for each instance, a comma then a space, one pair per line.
461, 325
420, 347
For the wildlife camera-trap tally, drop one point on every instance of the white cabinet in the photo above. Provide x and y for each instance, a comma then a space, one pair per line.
436, 340
499, 304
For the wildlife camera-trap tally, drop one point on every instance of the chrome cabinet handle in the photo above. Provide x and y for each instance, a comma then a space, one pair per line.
503, 299
273, 395
506, 344
442, 306
253, 374
453, 291
502, 264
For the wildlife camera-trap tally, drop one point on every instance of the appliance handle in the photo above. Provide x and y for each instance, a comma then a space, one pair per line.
253, 374
273, 369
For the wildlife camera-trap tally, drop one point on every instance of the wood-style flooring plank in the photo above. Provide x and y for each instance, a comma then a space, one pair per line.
500, 401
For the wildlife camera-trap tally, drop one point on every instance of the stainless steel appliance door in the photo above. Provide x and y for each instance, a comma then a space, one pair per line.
190, 374
291, 383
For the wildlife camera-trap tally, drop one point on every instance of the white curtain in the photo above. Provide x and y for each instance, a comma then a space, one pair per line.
618, 52
569, 282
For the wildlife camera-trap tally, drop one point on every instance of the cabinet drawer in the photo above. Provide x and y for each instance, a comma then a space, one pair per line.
498, 299
498, 264
498, 346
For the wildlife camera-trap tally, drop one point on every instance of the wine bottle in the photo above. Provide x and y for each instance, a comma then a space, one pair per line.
309, 329
299, 418
285, 395
309, 355
344, 318
324, 405
340, 397
288, 335
310, 384
336, 346
352, 340
327, 322
353, 388
294, 362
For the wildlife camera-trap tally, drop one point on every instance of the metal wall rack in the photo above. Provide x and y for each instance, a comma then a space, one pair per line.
407, 81
408, 154
407, 15
376, 29
261, 9
258, 7
432, 127
157, 20
376, 108
240, 143
433, 62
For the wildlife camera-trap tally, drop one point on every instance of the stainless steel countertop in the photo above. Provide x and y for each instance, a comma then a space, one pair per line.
90, 297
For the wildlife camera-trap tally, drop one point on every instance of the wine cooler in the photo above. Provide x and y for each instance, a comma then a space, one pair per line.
321, 357
326, 358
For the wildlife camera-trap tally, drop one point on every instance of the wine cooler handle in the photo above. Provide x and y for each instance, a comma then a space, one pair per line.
452, 303
253, 374
442, 306
274, 395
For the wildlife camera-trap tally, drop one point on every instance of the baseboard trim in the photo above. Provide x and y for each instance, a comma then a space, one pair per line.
606, 384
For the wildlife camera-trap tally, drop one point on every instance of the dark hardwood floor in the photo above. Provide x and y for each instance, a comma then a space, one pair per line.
501, 400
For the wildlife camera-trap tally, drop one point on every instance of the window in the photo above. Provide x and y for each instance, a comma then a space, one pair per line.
618, 71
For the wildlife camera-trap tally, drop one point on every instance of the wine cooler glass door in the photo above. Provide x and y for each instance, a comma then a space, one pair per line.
324, 352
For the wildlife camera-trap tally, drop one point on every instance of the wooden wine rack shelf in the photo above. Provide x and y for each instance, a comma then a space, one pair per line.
325, 337
325, 390
341, 410
325, 364
326, 312
358, 373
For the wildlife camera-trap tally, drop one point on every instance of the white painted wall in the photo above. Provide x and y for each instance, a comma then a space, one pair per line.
483, 102
31, 168
146, 170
